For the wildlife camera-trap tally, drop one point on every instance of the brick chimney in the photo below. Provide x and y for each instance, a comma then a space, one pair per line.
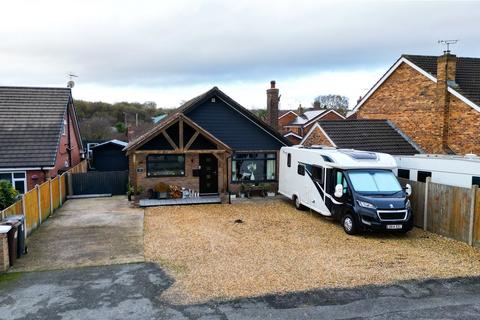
446, 70
316, 105
272, 105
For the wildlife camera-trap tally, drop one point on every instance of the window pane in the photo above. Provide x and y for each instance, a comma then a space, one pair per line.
374, 182
20, 186
19, 175
271, 169
249, 170
317, 173
301, 170
6, 176
166, 165
404, 173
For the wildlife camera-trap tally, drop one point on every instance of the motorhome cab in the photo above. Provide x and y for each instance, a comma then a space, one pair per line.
356, 187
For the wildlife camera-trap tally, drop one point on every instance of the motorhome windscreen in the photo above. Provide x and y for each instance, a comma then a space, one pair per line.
374, 181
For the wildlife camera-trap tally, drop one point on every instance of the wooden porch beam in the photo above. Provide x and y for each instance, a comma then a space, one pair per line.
165, 134
215, 151
180, 133
192, 139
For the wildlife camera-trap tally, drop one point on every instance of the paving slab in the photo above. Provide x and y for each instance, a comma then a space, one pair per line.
86, 232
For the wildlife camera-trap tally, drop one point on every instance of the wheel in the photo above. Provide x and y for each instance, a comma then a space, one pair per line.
298, 205
349, 224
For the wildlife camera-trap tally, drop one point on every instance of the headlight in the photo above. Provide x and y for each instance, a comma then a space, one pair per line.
365, 204
407, 204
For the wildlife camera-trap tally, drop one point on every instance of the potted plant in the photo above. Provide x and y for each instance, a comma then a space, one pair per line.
243, 188
269, 189
130, 191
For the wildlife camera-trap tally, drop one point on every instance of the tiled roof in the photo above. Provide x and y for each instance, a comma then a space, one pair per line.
467, 76
30, 123
369, 135
306, 117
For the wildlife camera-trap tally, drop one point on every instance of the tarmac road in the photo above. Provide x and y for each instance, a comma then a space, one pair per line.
132, 291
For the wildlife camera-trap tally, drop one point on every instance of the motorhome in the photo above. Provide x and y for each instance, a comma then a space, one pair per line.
357, 188
453, 170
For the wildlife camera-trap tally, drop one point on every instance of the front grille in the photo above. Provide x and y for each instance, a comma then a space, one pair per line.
392, 214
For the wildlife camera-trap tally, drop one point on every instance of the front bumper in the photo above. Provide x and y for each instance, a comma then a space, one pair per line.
371, 220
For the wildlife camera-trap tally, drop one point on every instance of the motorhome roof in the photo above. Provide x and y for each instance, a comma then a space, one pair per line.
350, 158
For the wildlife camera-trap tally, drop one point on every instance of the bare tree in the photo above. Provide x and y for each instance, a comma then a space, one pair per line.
331, 101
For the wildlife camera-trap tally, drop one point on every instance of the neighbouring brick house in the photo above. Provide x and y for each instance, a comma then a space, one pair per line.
211, 145
369, 135
433, 100
300, 123
39, 135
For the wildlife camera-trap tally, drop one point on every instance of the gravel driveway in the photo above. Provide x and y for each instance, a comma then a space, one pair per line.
86, 232
277, 249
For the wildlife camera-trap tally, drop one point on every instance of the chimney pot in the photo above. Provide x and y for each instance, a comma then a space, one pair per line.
272, 84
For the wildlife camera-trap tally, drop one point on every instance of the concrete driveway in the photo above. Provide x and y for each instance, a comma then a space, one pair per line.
86, 232
134, 291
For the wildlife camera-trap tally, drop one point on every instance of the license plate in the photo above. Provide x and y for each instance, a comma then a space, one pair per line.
394, 226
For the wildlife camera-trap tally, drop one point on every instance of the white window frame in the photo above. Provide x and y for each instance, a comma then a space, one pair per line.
13, 179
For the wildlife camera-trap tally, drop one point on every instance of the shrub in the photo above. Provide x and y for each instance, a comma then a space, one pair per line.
7, 194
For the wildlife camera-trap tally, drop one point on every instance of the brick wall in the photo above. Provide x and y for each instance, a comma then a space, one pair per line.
408, 99
317, 137
284, 121
464, 128
188, 181
4, 260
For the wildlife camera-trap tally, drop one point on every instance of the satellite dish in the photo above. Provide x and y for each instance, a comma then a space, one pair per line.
71, 84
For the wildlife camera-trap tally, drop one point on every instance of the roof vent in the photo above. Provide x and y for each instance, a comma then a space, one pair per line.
359, 155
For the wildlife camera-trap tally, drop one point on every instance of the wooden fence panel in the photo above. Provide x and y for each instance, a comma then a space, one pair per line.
476, 226
14, 209
417, 200
55, 192
31, 210
449, 211
45, 200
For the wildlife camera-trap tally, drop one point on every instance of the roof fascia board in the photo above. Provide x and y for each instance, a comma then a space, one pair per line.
317, 126
292, 134
25, 169
464, 99
387, 75
283, 115
321, 115
421, 71
326, 136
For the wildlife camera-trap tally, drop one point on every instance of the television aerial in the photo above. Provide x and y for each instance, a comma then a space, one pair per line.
71, 83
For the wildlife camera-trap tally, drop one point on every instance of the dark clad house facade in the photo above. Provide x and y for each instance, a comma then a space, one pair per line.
39, 135
211, 145
109, 156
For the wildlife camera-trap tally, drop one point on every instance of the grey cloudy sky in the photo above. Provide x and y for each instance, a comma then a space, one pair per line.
169, 51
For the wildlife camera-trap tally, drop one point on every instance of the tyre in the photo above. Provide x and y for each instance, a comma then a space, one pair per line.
349, 224
298, 205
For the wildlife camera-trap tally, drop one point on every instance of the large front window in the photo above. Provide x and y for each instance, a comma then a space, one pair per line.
374, 181
254, 167
165, 165
17, 179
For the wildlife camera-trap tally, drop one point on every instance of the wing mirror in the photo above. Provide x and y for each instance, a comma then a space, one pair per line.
338, 191
408, 189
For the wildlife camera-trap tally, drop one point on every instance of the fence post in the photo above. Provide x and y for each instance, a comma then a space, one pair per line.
39, 201
69, 181
51, 195
24, 213
472, 214
60, 189
425, 205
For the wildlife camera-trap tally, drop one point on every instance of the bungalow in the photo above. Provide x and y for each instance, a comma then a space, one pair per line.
210, 145
39, 135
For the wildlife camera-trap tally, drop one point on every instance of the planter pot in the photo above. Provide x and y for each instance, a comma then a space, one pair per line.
270, 194
233, 196
242, 195
129, 197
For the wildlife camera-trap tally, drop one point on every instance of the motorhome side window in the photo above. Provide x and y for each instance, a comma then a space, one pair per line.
403, 173
476, 181
317, 173
341, 180
422, 176
289, 160
301, 169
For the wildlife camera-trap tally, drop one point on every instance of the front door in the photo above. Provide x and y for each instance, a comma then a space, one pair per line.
208, 174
